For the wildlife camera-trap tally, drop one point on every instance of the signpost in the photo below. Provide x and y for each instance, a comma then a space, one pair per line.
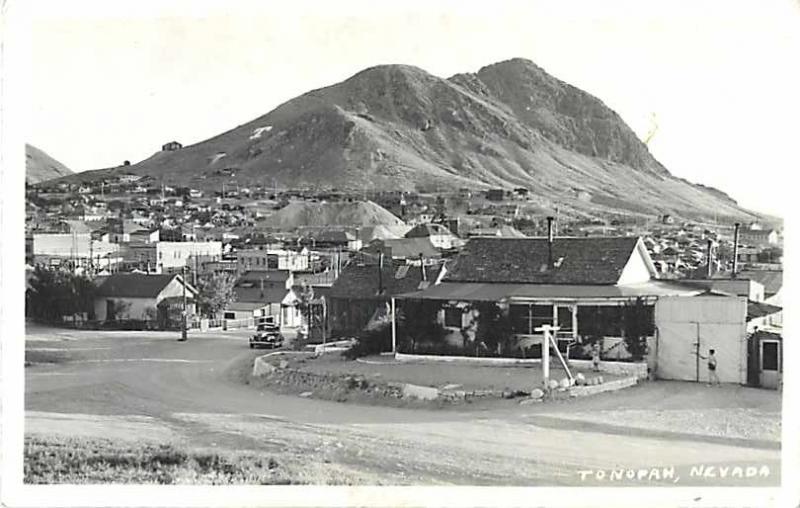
547, 332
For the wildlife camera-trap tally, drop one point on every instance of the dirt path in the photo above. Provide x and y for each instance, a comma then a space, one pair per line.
194, 396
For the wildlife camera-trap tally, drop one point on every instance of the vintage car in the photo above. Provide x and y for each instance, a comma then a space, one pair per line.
267, 335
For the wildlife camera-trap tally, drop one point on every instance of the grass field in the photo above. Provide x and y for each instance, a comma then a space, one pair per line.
80, 460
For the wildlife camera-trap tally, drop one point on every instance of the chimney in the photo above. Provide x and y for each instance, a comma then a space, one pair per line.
422, 267
735, 250
550, 220
708, 258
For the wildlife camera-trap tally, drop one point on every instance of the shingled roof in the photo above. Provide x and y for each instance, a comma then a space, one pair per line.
136, 285
360, 281
772, 280
584, 261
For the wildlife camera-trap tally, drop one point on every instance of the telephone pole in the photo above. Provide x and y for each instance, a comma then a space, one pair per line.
183, 311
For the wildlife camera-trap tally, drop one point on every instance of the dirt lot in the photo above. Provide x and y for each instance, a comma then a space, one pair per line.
131, 388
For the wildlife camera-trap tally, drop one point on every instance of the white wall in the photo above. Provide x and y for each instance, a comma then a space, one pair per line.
178, 254
718, 321
636, 269
136, 310
61, 244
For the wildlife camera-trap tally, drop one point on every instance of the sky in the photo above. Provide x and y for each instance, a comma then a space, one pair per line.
718, 79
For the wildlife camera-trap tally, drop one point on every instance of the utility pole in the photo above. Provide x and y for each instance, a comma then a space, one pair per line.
183, 312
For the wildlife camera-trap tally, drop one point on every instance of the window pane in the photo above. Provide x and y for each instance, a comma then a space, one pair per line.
769, 360
519, 318
452, 317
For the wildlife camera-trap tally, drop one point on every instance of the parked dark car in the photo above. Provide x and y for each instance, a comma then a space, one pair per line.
267, 335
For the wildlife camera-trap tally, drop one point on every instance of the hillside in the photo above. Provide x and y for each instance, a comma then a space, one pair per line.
303, 214
40, 167
397, 127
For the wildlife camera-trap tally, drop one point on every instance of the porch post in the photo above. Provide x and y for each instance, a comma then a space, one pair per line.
574, 321
394, 328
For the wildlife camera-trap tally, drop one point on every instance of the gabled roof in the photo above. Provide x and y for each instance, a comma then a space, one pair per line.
772, 280
583, 261
408, 247
760, 309
360, 281
137, 285
265, 275
270, 293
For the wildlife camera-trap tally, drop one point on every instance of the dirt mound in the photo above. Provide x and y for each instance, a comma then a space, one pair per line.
303, 214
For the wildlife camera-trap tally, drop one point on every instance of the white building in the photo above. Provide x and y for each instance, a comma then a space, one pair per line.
172, 256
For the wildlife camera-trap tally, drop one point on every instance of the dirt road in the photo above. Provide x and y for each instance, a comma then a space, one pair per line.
135, 386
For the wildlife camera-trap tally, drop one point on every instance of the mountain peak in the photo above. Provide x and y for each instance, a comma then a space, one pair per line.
511, 124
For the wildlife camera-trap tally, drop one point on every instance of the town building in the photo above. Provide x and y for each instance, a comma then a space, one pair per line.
143, 297
173, 256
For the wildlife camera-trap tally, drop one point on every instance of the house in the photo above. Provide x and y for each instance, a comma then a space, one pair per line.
405, 248
363, 291
143, 297
772, 283
759, 236
143, 235
439, 236
274, 259
266, 296
171, 146
335, 238
128, 178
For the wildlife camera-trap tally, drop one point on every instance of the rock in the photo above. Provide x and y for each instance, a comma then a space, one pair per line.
420, 392
262, 368
580, 379
552, 384
537, 393
599, 380
564, 383
306, 394
507, 394
283, 364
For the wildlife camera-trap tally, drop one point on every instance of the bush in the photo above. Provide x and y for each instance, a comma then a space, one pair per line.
370, 342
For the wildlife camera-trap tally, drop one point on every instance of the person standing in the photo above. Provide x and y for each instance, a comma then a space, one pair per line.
596, 356
711, 363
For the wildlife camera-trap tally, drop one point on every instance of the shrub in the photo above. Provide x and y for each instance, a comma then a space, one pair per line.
370, 342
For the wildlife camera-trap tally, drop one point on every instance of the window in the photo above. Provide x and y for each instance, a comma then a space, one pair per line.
769, 358
525, 319
452, 317
230, 315
600, 320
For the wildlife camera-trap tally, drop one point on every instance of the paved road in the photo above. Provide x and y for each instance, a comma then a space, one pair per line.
135, 386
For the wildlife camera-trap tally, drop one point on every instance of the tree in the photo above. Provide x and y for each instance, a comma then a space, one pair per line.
57, 293
215, 293
637, 325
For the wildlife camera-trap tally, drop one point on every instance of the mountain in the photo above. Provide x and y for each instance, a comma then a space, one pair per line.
397, 127
40, 167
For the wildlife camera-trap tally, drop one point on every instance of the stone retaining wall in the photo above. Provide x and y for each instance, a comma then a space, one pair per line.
582, 391
637, 369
